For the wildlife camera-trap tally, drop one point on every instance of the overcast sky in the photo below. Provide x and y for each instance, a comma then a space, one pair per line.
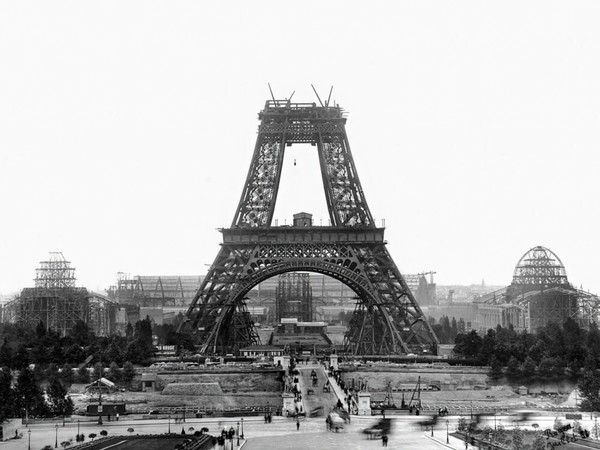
127, 129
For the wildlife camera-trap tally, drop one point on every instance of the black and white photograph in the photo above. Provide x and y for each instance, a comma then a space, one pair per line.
274, 225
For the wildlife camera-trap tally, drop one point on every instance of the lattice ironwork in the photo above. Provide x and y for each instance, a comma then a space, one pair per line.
57, 303
352, 250
294, 297
540, 266
55, 273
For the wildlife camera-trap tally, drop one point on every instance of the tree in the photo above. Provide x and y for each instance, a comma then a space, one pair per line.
114, 351
454, 329
28, 395
114, 372
468, 345
60, 403
517, 438
6, 354
65, 444
40, 330
51, 372
81, 334
83, 375
487, 349
98, 371
21, 358
6, 394
539, 443
129, 330
66, 374
73, 354
589, 388
143, 330
104, 433
495, 368
558, 424
130, 430
92, 436
550, 368
593, 347
138, 351
528, 367
128, 371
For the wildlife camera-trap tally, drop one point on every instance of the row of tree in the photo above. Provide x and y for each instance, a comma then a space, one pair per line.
21, 345
26, 398
554, 352
446, 330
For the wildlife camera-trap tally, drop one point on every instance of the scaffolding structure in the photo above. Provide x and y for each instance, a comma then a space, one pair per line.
294, 297
58, 303
155, 291
541, 293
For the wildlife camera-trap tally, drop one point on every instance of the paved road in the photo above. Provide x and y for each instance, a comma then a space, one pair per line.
313, 435
281, 434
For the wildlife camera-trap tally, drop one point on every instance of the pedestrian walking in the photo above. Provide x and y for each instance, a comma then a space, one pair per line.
297, 424
384, 440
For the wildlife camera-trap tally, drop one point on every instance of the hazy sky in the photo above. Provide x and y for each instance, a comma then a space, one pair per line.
127, 129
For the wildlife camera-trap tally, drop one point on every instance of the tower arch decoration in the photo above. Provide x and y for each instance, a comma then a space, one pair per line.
352, 249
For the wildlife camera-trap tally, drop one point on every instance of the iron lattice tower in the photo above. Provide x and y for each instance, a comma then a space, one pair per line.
352, 250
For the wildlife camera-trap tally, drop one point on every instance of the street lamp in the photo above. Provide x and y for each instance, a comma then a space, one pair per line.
447, 438
99, 402
238, 434
77, 427
169, 423
56, 437
242, 435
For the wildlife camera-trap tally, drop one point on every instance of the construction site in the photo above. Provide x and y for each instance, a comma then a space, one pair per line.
58, 303
540, 294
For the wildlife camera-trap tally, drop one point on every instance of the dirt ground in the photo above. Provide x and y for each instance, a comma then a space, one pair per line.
143, 402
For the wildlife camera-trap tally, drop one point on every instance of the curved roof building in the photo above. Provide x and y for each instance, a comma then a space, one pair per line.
540, 266
540, 293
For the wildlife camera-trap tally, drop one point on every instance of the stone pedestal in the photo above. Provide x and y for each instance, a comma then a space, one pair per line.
288, 404
364, 404
333, 361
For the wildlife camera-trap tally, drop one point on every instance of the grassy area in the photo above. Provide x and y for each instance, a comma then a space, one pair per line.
151, 443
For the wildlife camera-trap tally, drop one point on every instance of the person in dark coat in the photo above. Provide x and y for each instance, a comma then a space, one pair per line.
384, 440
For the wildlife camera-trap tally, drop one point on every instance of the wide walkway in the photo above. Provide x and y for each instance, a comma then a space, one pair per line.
280, 434
313, 435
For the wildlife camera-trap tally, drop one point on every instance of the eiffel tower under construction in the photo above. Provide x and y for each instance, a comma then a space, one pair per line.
387, 318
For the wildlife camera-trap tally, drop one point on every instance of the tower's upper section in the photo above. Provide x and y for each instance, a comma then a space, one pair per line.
283, 124
300, 121
540, 266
